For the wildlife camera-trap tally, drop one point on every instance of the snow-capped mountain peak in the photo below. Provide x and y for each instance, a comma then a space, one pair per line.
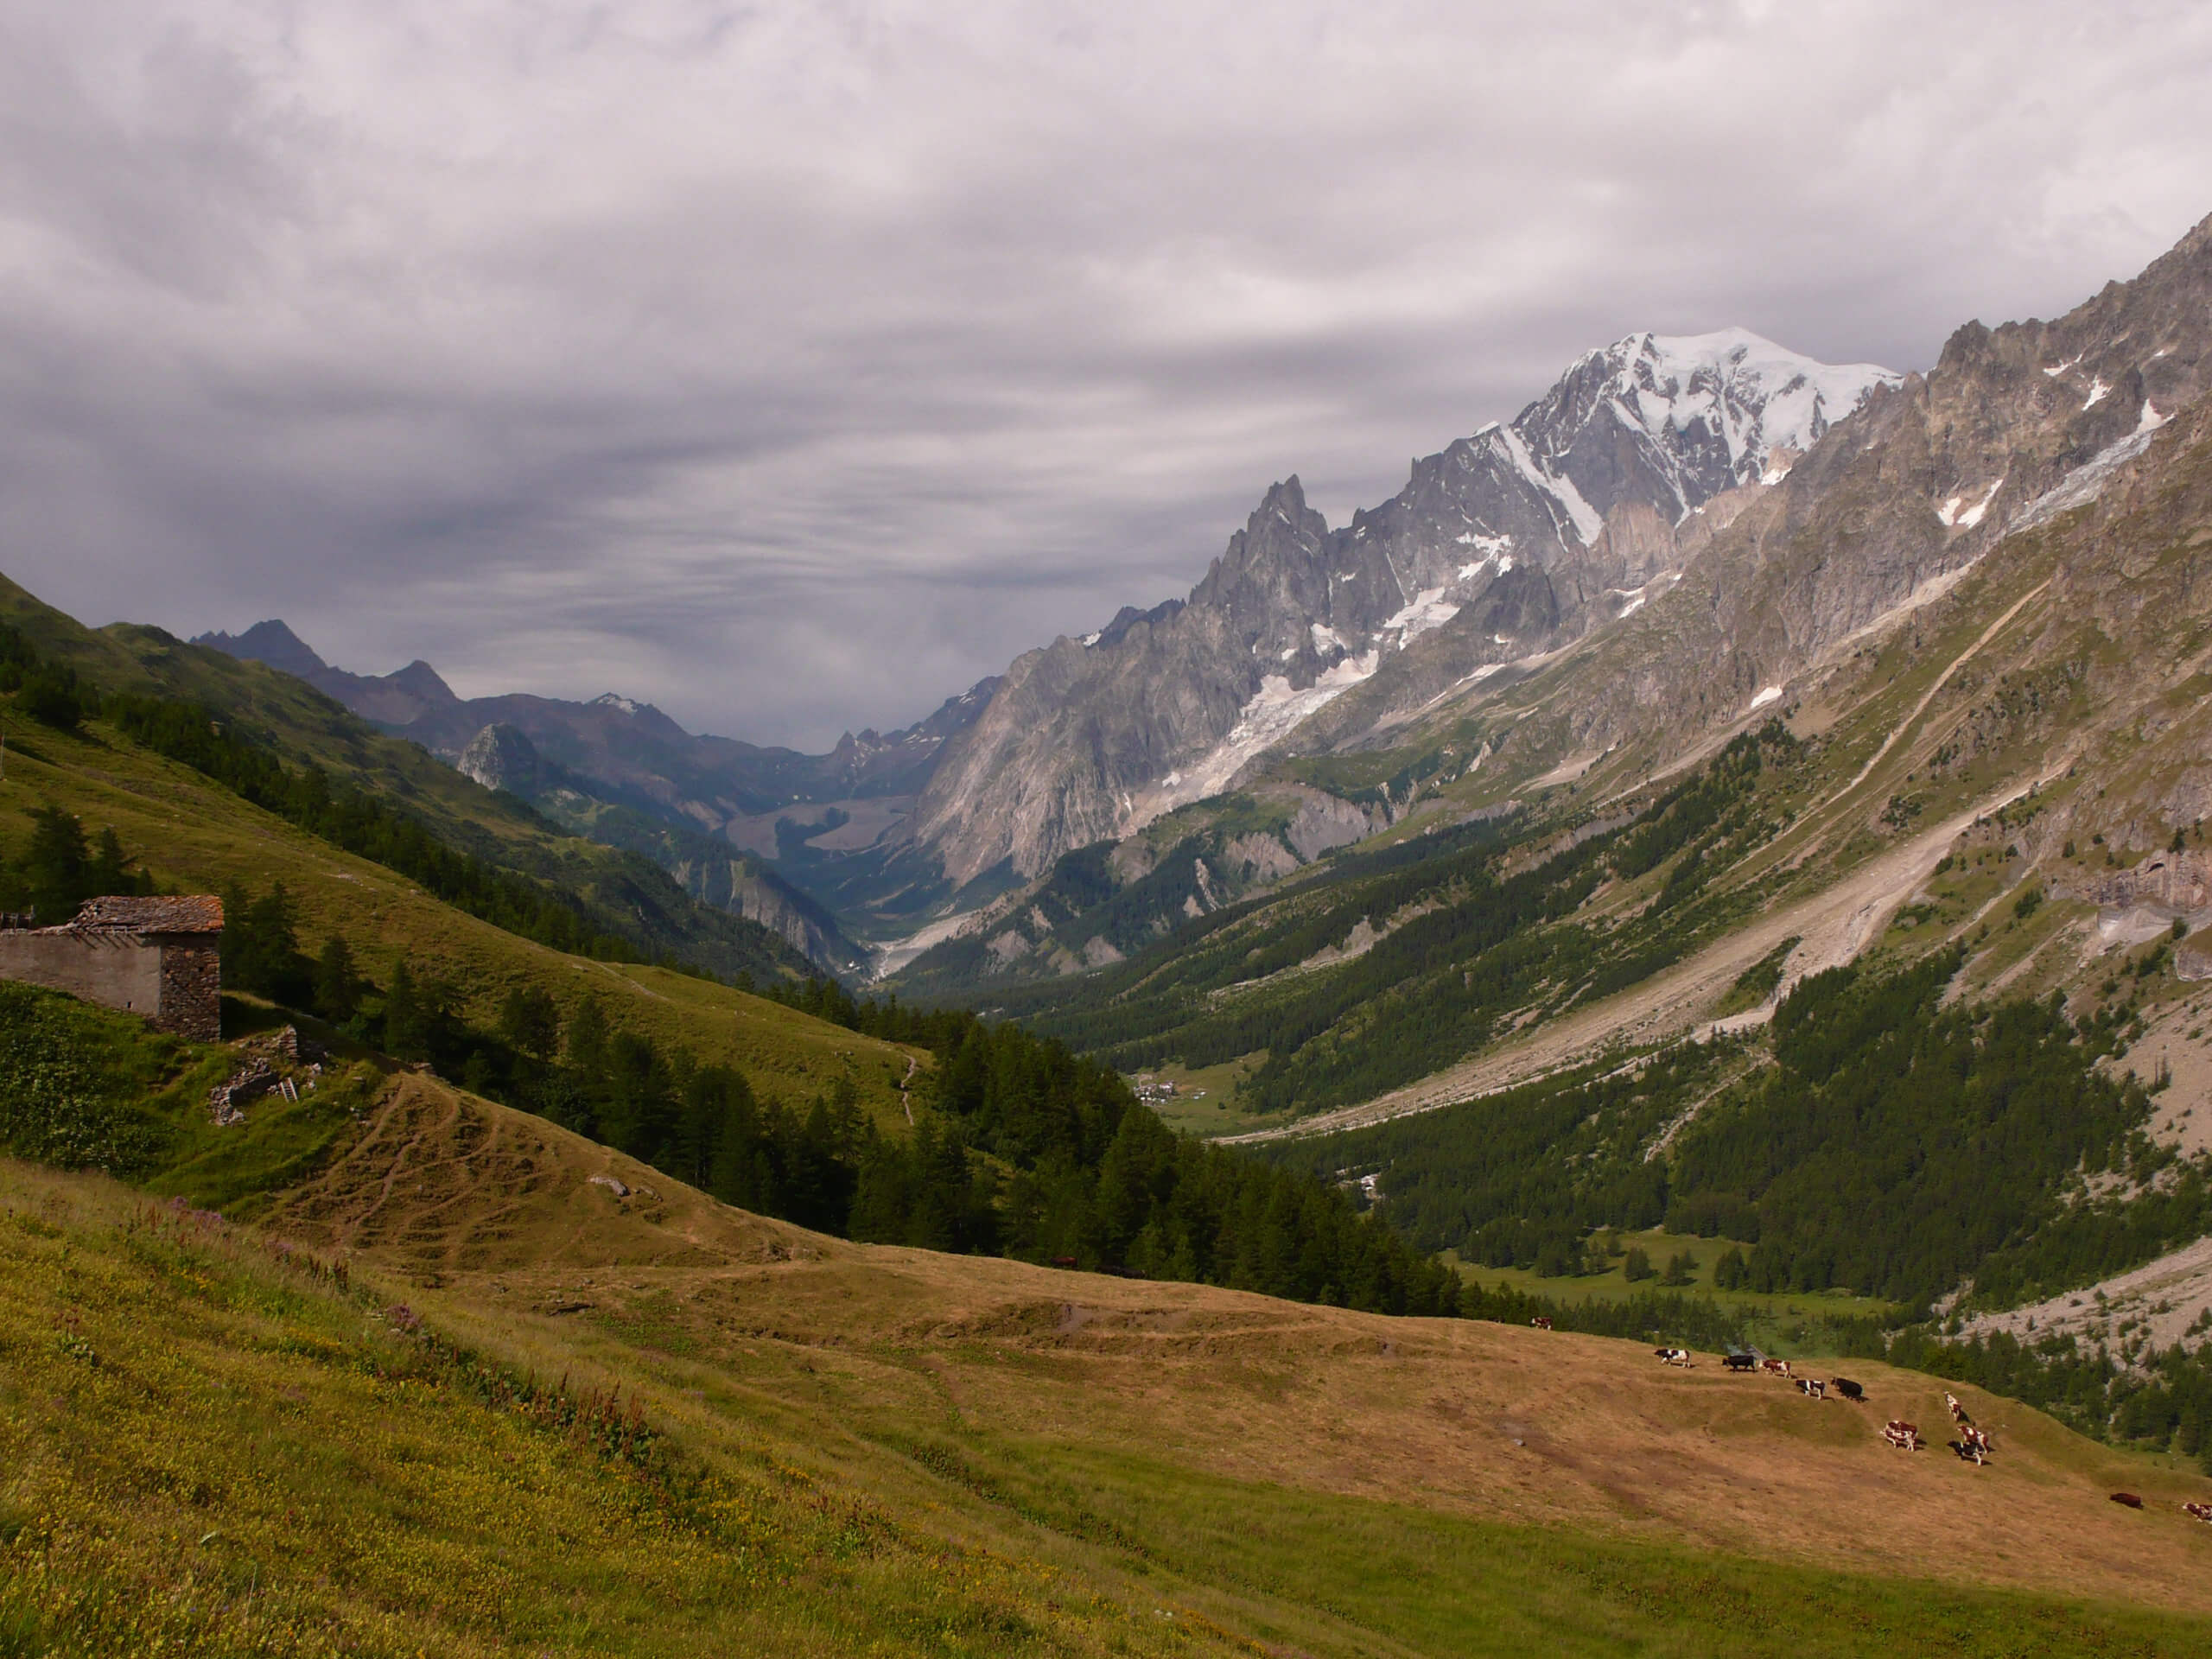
1761, 396
1707, 411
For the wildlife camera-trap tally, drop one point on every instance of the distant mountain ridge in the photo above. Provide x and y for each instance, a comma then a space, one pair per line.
616, 739
713, 810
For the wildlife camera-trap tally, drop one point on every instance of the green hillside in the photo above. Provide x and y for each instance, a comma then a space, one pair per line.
253, 711
192, 835
472, 1383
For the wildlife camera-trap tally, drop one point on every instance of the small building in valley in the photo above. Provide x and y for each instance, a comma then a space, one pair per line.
159, 958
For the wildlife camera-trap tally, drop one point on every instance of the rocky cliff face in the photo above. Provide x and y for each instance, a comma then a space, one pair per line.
1516, 538
501, 757
743, 886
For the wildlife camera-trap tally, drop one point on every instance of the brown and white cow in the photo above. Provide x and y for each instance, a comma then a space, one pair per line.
1972, 1445
1903, 1435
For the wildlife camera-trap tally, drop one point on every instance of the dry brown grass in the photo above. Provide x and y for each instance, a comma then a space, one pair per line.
494, 1214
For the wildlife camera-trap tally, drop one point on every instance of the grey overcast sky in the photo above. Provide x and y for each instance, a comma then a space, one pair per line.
794, 365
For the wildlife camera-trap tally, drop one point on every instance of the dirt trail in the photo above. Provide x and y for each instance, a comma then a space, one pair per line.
1833, 927
1940, 681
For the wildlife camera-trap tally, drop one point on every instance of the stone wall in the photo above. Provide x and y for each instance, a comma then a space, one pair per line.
192, 988
174, 984
118, 971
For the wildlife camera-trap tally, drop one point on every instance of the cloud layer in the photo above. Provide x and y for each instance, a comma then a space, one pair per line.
794, 365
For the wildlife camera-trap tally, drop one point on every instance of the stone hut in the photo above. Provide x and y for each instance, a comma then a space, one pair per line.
156, 958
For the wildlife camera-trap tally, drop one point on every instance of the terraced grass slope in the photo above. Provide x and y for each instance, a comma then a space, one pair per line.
538, 1416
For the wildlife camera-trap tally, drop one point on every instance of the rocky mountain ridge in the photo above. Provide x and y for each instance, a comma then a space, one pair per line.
2011, 428
1755, 603
1503, 534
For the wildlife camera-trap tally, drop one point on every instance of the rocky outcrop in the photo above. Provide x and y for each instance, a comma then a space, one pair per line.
745, 887
501, 757
2172, 881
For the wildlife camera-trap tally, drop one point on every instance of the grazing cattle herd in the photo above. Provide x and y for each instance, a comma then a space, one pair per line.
1973, 1445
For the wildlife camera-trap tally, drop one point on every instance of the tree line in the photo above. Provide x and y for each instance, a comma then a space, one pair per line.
60, 867
1021, 1147
634, 919
356, 821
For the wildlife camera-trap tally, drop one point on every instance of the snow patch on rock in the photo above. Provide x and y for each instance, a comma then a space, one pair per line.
1428, 610
1954, 518
1272, 714
2086, 482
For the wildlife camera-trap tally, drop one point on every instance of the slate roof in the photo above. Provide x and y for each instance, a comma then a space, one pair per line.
191, 913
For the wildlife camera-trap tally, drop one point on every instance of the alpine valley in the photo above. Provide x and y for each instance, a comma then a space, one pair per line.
1192, 1146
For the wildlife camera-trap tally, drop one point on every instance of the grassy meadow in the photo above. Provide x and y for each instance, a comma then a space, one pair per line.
216, 1444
